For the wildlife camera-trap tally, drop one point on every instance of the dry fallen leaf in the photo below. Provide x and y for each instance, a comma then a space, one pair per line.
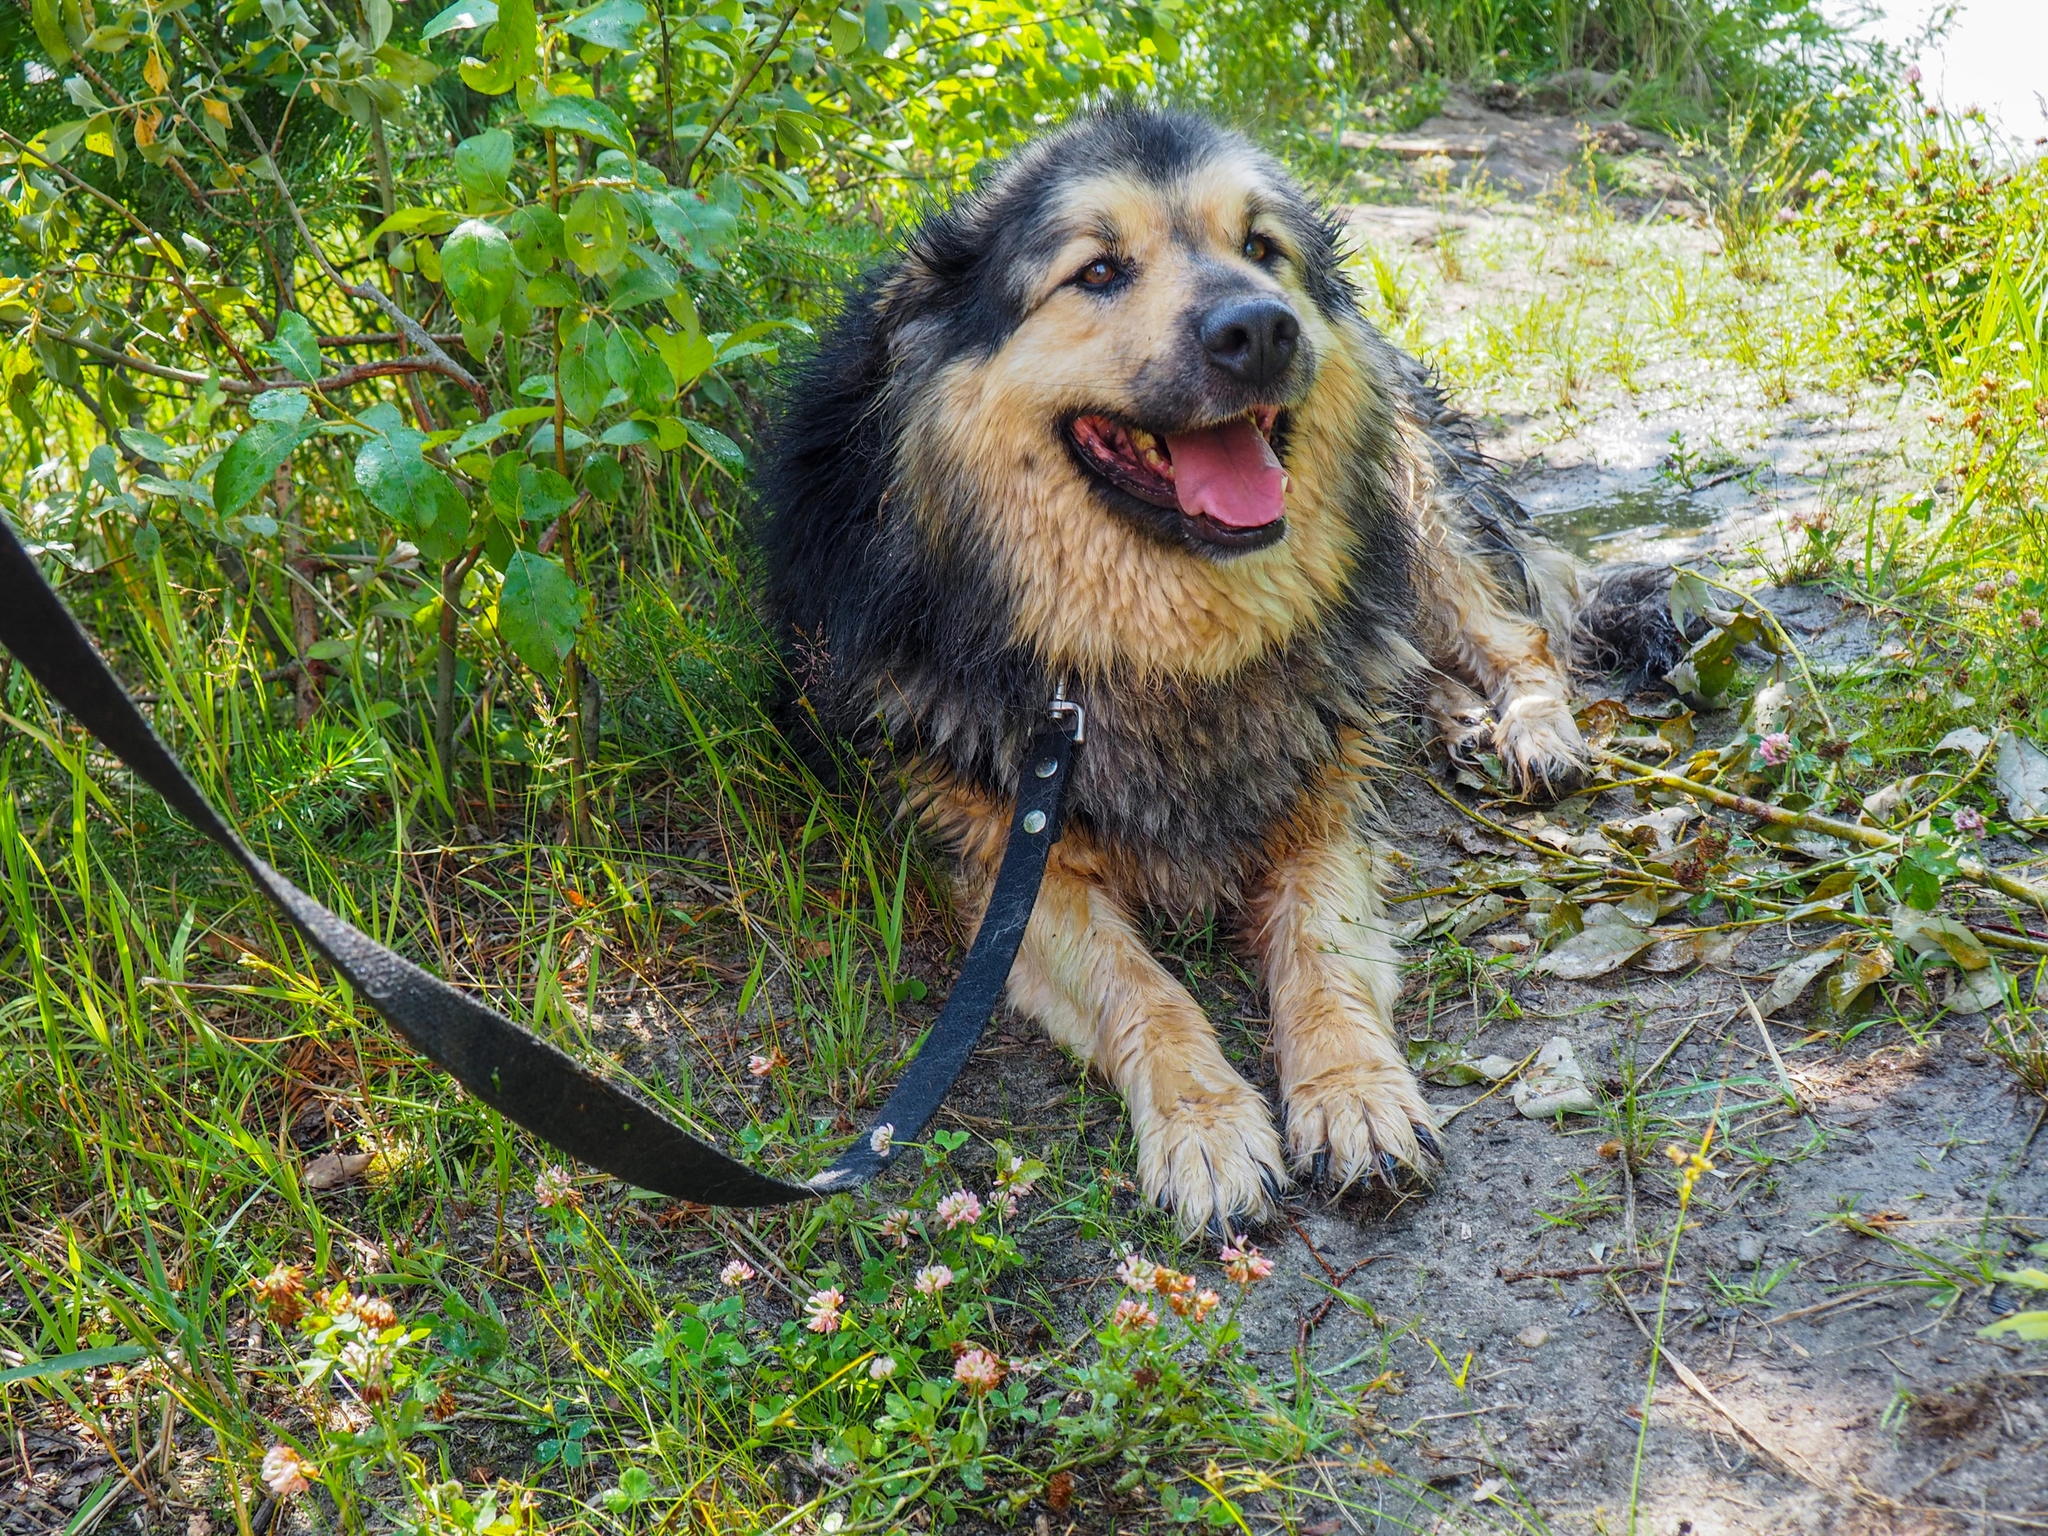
1595, 951
331, 1170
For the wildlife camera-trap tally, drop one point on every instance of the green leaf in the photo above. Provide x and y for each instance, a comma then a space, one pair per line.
407, 221
481, 434
483, 164
43, 15
595, 233
536, 237
692, 224
245, 470
104, 468
297, 348
585, 379
579, 114
875, 25
460, 17
81, 1360
391, 473
638, 286
716, 446
610, 24
603, 477
539, 611
544, 495
686, 353
285, 405
477, 271
551, 290
149, 446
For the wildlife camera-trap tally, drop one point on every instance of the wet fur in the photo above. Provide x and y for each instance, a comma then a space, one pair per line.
940, 561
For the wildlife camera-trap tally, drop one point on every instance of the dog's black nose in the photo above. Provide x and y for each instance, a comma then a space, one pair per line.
1251, 339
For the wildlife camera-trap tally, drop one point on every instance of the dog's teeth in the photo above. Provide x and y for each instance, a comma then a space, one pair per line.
1145, 441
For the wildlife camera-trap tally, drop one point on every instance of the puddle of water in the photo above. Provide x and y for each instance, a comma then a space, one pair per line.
1623, 524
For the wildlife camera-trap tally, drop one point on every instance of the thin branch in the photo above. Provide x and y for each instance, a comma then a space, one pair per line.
172, 261
436, 360
738, 92
354, 374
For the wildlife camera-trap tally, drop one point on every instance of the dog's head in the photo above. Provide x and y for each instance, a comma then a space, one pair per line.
1128, 379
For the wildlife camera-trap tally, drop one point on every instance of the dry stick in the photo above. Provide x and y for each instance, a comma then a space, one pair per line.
1973, 870
1771, 1046
733, 101
1579, 1271
1787, 1460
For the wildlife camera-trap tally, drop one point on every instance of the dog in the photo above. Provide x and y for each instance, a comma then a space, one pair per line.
1113, 422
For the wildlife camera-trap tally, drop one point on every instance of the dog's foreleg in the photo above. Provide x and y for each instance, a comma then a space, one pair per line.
1207, 1148
1510, 657
1353, 1107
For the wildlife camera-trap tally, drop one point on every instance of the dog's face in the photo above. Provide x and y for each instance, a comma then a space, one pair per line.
1129, 368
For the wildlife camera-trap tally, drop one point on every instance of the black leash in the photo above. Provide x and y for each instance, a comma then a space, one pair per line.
517, 1073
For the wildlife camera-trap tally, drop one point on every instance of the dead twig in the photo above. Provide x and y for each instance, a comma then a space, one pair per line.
1973, 870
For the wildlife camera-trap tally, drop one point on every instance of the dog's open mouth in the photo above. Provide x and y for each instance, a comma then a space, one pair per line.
1226, 478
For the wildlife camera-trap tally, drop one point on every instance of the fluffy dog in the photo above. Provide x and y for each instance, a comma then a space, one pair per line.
1114, 422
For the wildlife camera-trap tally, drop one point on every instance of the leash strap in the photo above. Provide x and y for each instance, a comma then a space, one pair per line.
522, 1076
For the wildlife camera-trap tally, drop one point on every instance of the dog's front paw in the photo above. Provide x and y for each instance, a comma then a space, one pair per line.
1540, 745
1209, 1154
1359, 1120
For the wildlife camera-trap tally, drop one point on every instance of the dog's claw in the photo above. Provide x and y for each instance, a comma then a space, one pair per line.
1272, 1182
1424, 1135
1389, 1170
1218, 1231
1319, 1168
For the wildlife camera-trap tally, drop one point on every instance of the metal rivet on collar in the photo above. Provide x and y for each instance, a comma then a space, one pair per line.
1034, 821
1046, 767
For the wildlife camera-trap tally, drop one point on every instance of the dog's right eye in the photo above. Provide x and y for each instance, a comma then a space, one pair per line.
1099, 273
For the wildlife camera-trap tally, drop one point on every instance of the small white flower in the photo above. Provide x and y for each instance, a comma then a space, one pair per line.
879, 1141
736, 1274
933, 1279
286, 1472
882, 1367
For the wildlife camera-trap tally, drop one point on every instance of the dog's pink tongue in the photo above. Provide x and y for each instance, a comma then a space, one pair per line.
1228, 473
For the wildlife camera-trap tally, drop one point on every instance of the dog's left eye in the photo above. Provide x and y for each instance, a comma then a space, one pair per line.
1099, 273
1258, 248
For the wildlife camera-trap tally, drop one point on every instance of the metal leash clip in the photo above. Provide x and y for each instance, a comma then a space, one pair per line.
1062, 706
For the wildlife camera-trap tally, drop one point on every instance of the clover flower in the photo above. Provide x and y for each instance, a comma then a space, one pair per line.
553, 1191
881, 1368
962, 1208
932, 1279
1243, 1263
736, 1273
1133, 1313
374, 1312
1137, 1272
978, 1371
284, 1294
1970, 820
1201, 1306
762, 1066
286, 1472
1776, 748
897, 1225
823, 1309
